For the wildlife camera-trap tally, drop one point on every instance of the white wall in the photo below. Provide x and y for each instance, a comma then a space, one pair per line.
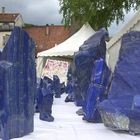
113, 54
115, 48
1, 38
19, 21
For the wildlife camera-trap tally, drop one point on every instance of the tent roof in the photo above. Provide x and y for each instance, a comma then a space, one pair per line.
72, 44
125, 29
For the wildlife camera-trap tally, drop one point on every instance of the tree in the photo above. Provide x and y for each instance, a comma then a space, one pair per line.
99, 13
28, 25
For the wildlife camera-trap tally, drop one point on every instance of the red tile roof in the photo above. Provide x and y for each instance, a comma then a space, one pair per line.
8, 17
56, 35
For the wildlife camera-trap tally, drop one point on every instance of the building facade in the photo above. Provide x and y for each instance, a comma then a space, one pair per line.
7, 22
48, 36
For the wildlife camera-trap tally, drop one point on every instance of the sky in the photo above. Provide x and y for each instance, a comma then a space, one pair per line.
38, 12
114, 28
42, 12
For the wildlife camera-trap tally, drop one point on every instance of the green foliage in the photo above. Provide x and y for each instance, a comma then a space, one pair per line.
99, 13
28, 25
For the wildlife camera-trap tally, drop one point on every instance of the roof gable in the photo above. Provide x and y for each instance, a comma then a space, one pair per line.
8, 17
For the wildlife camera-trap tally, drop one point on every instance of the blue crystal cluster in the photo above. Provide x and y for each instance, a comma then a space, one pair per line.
17, 85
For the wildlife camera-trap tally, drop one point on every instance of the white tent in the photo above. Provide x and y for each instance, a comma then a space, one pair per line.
71, 45
115, 43
65, 49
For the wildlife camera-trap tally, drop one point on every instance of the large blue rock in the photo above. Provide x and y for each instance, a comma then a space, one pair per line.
70, 84
18, 86
92, 49
46, 99
78, 100
56, 86
121, 111
97, 90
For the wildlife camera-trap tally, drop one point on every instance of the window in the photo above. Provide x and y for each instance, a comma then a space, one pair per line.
5, 39
5, 25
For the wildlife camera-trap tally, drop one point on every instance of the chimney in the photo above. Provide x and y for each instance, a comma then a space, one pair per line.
3, 9
47, 29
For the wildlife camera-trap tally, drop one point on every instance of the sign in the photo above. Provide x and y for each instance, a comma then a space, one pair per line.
56, 67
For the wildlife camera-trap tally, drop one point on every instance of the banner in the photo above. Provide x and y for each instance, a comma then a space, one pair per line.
56, 67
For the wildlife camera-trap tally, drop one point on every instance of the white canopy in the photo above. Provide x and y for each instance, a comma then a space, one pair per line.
114, 44
71, 45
